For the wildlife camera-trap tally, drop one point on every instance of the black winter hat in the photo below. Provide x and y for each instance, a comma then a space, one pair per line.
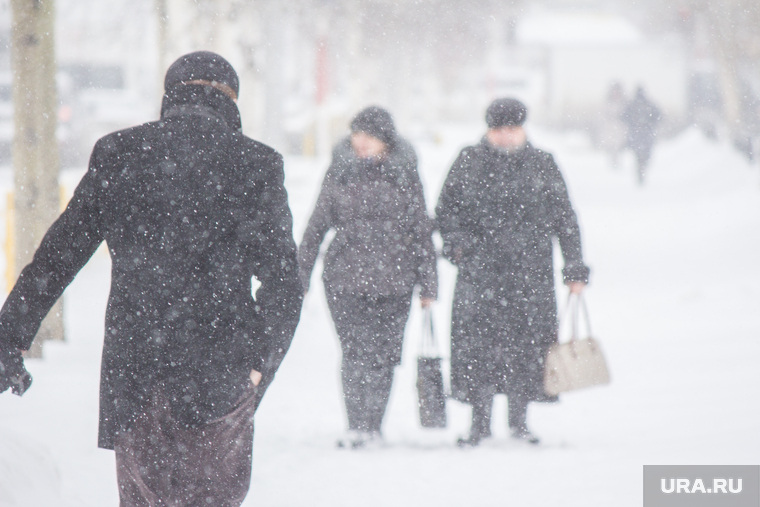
203, 65
506, 112
377, 122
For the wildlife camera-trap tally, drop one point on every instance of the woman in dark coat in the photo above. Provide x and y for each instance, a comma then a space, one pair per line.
501, 207
372, 198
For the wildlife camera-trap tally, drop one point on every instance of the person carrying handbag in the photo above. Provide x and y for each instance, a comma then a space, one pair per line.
501, 207
372, 198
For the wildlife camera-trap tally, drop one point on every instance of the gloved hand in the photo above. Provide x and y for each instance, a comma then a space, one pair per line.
12, 371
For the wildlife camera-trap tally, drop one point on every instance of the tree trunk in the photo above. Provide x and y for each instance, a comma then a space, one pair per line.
162, 13
727, 54
35, 149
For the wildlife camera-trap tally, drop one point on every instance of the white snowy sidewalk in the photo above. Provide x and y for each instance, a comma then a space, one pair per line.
674, 300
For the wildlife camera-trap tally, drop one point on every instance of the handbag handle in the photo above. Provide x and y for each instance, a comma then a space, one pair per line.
428, 343
574, 306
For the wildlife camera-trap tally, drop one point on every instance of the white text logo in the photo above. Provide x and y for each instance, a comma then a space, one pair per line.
718, 485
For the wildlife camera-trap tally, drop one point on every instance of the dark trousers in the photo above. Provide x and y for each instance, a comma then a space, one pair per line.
482, 405
366, 391
371, 334
162, 463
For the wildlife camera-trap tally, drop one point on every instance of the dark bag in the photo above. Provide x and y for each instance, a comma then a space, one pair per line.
430, 391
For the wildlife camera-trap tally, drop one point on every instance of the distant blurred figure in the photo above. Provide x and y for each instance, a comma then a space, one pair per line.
746, 131
612, 130
372, 198
705, 103
641, 116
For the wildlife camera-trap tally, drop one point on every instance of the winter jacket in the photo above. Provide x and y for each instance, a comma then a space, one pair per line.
382, 244
498, 215
191, 210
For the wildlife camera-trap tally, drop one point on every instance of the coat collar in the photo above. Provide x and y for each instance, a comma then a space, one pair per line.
399, 157
201, 100
496, 152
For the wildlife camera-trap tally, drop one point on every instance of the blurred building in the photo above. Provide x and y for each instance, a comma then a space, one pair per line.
580, 53
107, 72
306, 67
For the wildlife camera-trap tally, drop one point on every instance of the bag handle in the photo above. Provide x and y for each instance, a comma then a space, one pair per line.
574, 306
428, 343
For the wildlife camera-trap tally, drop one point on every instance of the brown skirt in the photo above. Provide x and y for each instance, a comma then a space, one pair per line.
162, 463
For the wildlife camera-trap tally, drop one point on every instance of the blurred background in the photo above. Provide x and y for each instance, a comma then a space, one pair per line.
306, 67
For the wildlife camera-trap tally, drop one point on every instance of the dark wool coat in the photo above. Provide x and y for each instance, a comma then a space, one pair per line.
498, 215
382, 244
190, 209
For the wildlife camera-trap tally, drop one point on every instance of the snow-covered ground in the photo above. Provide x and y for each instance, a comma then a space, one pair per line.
674, 300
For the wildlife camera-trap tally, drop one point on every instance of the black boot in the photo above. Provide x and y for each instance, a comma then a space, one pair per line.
481, 423
524, 433
473, 440
518, 416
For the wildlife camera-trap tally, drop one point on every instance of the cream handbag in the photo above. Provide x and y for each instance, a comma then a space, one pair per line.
578, 362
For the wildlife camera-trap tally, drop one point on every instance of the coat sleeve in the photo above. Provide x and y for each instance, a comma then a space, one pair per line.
279, 298
427, 273
565, 224
321, 221
66, 247
451, 214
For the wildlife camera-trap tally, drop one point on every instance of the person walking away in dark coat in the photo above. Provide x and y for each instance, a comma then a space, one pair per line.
502, 205
641, 117
373, 199
191, 210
